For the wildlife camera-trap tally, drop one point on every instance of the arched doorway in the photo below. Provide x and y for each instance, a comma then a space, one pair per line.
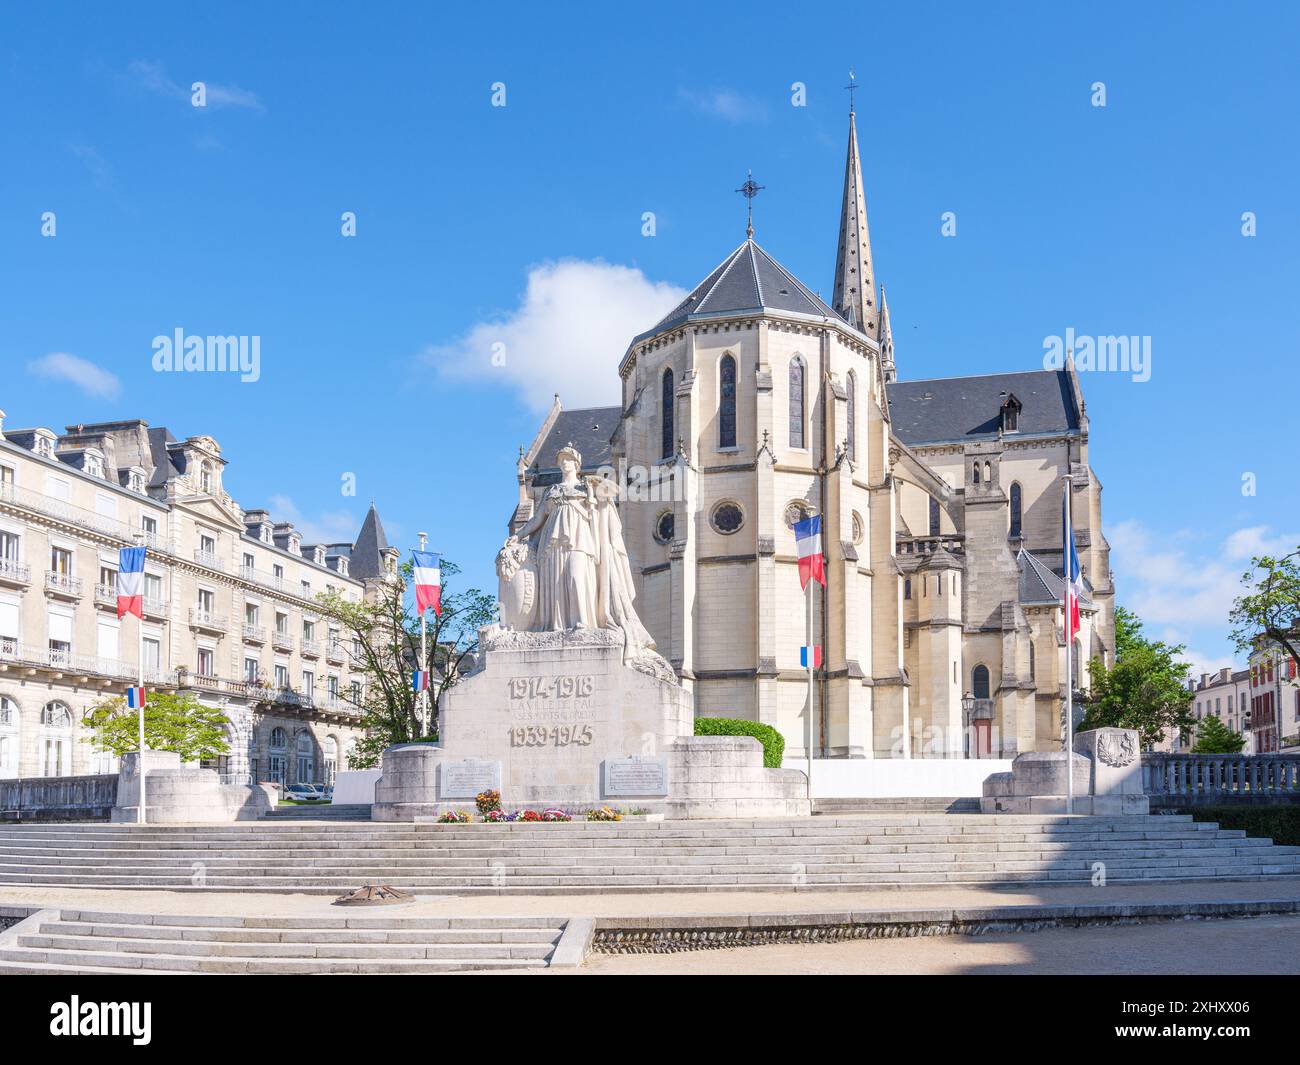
55, 743
306, 760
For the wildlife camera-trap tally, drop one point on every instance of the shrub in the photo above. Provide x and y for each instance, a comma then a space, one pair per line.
1281, 824
773, 742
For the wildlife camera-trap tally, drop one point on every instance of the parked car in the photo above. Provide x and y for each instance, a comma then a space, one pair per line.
302, 793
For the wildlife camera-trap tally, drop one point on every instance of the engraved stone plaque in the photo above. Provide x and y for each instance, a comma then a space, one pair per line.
636, 776
465, 779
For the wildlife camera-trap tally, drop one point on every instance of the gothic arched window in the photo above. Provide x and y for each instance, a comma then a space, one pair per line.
796, 402
1031, 661
851, 387
727, 402
666, 416
934, 516
1015, 508
975, 473
980, 682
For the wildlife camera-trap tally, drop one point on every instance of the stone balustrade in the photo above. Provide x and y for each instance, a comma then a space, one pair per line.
1177, 780
87, 798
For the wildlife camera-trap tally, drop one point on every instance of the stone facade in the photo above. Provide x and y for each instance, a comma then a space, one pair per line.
229, 610
754, 404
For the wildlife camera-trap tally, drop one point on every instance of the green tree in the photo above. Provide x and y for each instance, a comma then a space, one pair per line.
1214, 737
1270, 609
1146, 689
382, 637
173, 721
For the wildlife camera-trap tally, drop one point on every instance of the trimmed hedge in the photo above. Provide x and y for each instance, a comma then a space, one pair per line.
773, 742
1281, 824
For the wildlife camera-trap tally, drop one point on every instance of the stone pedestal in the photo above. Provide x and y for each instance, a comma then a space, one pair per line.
175, 794
1107, 770
560, 720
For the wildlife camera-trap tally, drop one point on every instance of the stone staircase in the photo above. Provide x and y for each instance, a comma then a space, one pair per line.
818, 853
324, 812
908, 805
69, 941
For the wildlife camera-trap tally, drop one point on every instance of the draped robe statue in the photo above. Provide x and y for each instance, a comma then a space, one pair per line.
568, 568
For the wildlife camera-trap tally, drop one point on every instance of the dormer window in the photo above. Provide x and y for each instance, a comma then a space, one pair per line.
295, 545
343, 567
44, 448
1011, 408
266, 534
135, 481
205, 478
94, 464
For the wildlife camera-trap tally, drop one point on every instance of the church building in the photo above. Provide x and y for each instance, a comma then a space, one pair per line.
754, 404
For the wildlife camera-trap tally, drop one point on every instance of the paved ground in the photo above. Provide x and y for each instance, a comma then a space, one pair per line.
650, 903
1249, 945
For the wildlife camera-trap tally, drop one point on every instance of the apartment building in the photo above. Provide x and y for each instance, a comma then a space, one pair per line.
1225, 695
1274, 698
229, 603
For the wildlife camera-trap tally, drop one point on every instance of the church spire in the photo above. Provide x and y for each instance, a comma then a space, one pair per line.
855, 284
886, 341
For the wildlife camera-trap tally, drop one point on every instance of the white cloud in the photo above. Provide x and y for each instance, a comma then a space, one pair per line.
328, 527
150, 74
1181, 593
567, 335
85, 375
726, 104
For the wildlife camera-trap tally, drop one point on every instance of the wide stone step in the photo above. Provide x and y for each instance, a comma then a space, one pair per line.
491, 952
313, 935
87, 959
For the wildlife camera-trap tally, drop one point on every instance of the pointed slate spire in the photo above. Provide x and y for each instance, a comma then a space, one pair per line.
855, 283
368, 552
887, 369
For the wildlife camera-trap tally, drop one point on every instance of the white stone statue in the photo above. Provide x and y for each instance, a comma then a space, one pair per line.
567, 569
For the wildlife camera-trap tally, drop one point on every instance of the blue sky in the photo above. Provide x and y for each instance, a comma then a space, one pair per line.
523, 224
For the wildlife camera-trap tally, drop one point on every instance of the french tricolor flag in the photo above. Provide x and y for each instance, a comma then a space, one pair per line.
1073, 577
428, 581
130, 581
816, 657
419, 680
135, 698
808, 544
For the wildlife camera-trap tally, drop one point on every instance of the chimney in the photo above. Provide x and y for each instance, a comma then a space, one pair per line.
1205, 680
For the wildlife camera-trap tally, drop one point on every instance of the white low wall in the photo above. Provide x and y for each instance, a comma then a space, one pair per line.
895, 778
355, 786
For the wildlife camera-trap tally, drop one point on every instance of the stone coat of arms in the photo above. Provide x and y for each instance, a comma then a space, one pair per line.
1116, 747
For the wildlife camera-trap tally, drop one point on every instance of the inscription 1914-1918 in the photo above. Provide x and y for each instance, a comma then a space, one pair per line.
551, 687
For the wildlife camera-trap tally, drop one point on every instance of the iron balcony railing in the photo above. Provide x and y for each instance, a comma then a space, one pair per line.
82, 518
11, 651
62, 583
14, 571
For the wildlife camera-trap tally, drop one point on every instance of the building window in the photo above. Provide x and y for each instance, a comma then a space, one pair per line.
330, 750
55, 744
851, 410
664, 528
907, 587
796, 402
306, 758
934, 516
727, 518
1015, 509
975, 473
205, 478
9, 737
979, 682
666, 400
727, 402
250, 670
206, 662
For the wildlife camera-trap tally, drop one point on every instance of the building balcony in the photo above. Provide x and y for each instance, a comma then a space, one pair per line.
208, 621
105, 595
62, 585
14, 573
311, 649
254, 634
209, 559
25, 499
334, 651
281, 641
154, 608
18, 657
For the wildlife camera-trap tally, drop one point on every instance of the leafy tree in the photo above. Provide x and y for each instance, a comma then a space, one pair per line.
1214, 737
1145, 690
382, 637
173, 721
1271, 607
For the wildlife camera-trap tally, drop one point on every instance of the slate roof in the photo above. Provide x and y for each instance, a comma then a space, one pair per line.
367, 556
589, 429
1039, 583
747, 281
965, 408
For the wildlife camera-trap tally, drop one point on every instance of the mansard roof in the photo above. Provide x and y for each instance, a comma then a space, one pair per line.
589, 429
959, 409
748, 281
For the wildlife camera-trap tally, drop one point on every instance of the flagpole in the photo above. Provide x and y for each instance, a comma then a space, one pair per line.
139, 629
1067, 542
809, 656
422, 697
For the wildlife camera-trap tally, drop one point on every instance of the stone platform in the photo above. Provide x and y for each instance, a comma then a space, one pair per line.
560, 720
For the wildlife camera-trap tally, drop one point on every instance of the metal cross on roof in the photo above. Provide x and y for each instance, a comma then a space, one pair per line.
749, 190
852, 87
